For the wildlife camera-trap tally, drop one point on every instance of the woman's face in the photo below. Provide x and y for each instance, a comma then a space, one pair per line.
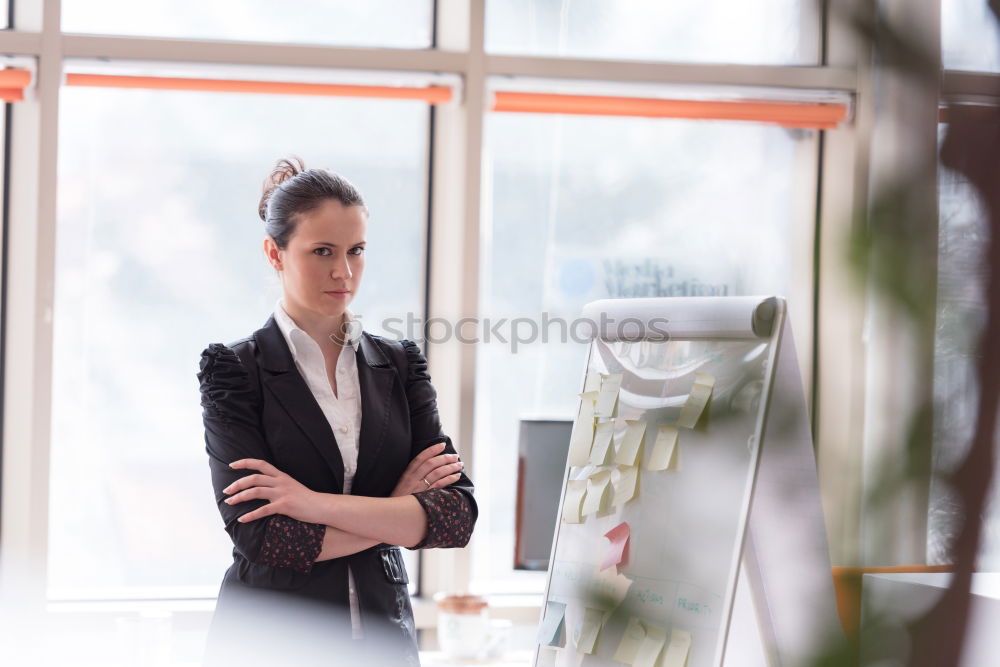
324, 260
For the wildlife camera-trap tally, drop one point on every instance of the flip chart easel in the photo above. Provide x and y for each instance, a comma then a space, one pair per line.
690, 530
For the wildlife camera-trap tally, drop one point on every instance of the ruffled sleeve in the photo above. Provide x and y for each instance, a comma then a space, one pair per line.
225, 383
231, 412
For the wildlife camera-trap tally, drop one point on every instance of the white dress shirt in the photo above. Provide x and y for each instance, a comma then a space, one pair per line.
342, 411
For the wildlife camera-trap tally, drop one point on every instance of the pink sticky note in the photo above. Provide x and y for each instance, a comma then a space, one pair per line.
618, 553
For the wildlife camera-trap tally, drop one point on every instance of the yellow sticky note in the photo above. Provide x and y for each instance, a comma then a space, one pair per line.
602, 443
650, 647
608, 397
611, 590
631, 640
589, 629
664, 454
575, 491
701, 393
597, 493
593, 382
625, 487
583, 431
631, 445
677, 651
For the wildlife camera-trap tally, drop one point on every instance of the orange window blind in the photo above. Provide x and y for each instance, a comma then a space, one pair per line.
821, 116
431, 94
12, 84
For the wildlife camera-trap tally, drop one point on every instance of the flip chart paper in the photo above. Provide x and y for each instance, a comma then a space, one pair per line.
589, 629
631, 445
547, 657
696, 401
602, 443
597, 493
582, 436
575, 491
619, 537
608, 395
631, 640
593, 382
650, 647
664, 449
551, 627
626, 486
677, 651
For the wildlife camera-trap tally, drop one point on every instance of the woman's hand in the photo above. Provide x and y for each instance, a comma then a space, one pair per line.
286, 495
430, 469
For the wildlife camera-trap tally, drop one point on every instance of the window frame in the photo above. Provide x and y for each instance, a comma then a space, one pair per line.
832, 353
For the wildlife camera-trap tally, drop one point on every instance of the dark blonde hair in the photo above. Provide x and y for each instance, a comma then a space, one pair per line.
291, 189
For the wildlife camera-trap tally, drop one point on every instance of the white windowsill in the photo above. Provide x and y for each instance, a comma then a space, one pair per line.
519, 609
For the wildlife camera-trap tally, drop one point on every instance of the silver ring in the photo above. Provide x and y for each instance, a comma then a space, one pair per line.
424, 480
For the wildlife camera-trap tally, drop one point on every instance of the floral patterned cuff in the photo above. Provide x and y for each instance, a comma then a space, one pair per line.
449, 518
291, 543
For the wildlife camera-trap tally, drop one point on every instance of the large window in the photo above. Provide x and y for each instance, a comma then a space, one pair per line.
970, 36
585, 208
961, 315
765, 32
160, 252
389, 23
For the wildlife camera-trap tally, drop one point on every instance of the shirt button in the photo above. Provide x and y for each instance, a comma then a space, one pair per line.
343, 429
342, 370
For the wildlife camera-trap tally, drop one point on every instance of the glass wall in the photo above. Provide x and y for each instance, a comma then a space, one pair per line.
584, 208
159, 253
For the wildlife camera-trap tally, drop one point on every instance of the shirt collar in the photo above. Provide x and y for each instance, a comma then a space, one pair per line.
288, 326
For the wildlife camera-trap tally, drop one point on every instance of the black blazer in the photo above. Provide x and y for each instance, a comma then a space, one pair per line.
257, 405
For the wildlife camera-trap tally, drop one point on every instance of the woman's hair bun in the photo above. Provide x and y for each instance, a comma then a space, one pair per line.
284, 169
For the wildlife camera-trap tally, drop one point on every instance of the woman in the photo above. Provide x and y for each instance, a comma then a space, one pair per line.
326, 452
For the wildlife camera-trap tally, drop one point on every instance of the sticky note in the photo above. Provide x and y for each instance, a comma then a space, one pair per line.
546, 657
701, 393
619, 538
597, 492
650, 647
593, 382
582, 436
602, 443
631, 445
612, 589
551, 628
677, 651
572, 506
608, 396
626, 486
664, 454
590, 627
631, 640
